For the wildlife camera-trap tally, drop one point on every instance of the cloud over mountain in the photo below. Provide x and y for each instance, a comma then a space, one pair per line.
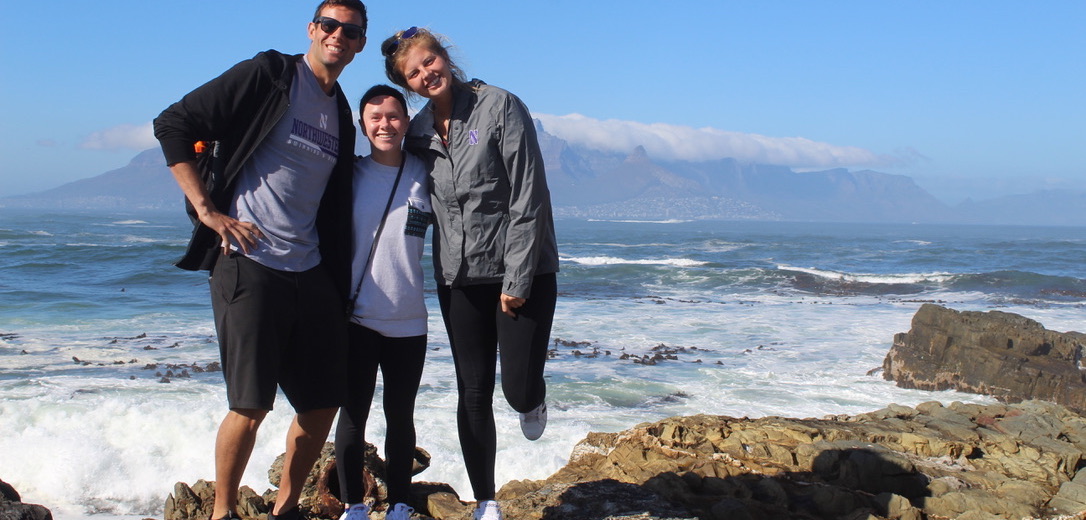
121, 137
674, 142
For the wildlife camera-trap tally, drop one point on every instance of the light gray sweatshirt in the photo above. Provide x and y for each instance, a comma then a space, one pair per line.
391, 297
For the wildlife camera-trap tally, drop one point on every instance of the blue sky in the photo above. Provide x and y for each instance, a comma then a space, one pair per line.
970, 98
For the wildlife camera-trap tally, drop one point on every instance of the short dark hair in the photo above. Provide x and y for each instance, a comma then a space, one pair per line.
355, 5
381, 90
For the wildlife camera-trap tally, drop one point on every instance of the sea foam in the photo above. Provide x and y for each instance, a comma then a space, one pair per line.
610, 260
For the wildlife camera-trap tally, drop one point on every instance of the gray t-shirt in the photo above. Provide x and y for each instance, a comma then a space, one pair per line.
280, 187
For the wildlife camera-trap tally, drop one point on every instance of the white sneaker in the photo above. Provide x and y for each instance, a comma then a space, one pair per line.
534, 422
400, 511
359, 511
488, 510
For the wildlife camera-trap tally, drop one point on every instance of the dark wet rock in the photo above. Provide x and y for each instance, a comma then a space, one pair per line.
13, 508
8, 493
559, 342
1008, 356
656, 355
845, 287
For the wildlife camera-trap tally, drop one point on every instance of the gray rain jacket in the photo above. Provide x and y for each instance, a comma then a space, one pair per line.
492, 208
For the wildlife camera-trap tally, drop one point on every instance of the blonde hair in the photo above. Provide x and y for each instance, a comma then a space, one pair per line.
395, 49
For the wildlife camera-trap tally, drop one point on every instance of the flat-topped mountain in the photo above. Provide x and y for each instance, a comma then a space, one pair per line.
596, 184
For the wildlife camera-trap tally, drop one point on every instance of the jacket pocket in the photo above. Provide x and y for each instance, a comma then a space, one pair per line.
486, 248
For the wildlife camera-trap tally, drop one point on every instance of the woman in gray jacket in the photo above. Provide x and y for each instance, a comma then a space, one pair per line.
495, 254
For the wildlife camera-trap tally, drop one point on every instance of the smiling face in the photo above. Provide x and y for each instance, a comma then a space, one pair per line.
426, 72
385, 124
329, 53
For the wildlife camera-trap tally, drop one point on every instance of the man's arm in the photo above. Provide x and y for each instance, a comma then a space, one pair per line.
209, 113
244, 234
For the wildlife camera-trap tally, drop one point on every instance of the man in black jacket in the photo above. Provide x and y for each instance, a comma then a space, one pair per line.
271, 208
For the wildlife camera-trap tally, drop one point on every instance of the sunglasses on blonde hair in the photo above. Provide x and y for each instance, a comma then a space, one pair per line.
406, 35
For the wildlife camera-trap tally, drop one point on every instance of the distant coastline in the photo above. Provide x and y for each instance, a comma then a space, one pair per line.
590, 184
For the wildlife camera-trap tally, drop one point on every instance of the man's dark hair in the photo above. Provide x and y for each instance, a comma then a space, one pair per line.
355, 5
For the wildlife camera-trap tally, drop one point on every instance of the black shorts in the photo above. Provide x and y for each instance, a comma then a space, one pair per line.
279, 328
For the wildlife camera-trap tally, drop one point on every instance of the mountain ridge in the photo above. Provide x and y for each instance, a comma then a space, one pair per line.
589, 183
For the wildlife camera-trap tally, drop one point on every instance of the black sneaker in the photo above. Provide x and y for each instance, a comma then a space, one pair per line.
230, 515
290, 514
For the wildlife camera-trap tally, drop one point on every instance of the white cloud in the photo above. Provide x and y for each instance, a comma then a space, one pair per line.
674, 142
121, 137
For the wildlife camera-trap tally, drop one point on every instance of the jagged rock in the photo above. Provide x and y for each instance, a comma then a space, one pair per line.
185, 504
13, 508
446, 505
196, 502
1008, 356
252, 505
901, 463
8, 493
931, 462
320, 493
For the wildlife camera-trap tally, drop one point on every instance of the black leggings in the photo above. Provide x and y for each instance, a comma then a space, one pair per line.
477, 328
400, 360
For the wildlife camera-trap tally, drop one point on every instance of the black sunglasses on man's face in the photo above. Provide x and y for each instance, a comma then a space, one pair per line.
330, 25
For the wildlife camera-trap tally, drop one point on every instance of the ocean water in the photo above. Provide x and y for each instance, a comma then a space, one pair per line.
105, 403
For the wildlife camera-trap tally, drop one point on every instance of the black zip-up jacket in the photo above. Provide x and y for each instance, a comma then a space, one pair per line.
235, 112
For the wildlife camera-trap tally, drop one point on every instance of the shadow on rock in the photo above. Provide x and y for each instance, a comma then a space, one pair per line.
929, 462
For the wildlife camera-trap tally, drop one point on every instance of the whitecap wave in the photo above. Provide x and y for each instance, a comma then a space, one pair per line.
136, 239
888, 278
633, 221
611, 260
628, 245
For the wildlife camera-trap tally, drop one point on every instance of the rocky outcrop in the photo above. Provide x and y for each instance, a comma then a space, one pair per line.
1004, 355
320, 493
929, 462
13, 508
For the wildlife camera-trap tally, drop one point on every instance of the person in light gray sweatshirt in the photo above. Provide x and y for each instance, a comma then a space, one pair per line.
388, 314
